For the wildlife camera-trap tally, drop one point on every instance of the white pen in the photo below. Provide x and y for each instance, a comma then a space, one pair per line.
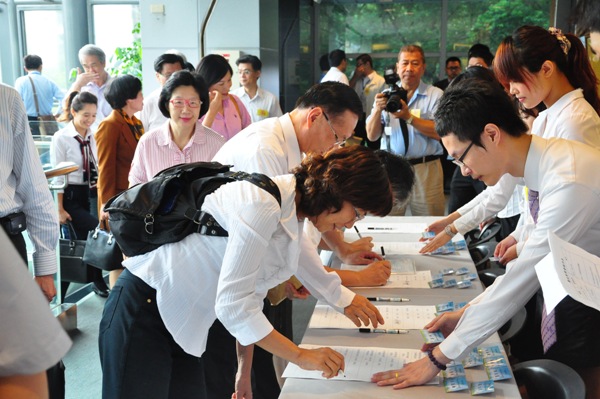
384, 299
380, 228
342, 373
383, 330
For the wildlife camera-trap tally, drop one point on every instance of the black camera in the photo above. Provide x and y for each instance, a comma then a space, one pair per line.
393, 93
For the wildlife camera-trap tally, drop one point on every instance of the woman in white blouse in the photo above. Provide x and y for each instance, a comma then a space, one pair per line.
155, 323
75, 143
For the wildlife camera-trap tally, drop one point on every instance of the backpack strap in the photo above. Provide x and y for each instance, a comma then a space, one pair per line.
207, 225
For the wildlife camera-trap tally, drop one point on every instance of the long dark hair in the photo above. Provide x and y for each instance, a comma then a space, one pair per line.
530, 46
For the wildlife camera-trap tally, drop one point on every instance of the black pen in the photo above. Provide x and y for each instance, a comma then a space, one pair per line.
384, 299
357, 232
382, 252
382, 331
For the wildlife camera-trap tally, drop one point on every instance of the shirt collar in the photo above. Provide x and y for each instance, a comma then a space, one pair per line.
291, 141
532, 163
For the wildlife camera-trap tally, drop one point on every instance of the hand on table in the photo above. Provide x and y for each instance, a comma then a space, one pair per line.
506, 250
437, 226
326, 360
415, 373
362, 310
439, 240
377, 273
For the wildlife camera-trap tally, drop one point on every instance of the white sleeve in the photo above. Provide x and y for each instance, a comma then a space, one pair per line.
511, 291
326, 286
486, 205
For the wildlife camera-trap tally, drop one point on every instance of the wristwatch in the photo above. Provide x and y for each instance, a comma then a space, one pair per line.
448, 231
409, 121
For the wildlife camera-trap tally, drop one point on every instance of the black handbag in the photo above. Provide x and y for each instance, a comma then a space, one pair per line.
72, 267
102, 251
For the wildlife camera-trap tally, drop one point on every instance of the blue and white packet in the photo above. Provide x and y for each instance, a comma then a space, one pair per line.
490, 351
448, 272
470, 277
456, 370
462, 270
444, 307
460, 305
428, 234
482, 387
445, 249
432, 337
450, 283
473, 359
460, 245
455, 384
464, 284
498, 373
437, 283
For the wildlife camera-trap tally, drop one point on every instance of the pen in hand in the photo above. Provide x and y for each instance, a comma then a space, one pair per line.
382, 252
357, 232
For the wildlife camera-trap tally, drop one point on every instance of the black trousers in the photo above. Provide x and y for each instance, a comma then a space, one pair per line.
139, 357
220, 358
56, 373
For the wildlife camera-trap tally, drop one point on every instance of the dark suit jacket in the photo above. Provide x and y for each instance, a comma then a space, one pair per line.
116, 146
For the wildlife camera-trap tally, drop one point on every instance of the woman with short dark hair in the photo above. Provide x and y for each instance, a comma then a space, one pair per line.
116, 139
160, 311
181, 139
226, 115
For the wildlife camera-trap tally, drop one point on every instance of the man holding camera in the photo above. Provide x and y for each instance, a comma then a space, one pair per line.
407, 109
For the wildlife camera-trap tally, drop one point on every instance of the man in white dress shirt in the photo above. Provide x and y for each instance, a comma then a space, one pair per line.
324, 116
260, 103
482, 130
164, 66
338, 64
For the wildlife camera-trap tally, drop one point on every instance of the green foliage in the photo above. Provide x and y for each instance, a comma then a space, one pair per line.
129, 59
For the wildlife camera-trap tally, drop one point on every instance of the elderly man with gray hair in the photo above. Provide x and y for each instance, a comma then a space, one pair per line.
93, 79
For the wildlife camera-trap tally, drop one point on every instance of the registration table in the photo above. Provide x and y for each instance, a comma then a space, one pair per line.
296, 388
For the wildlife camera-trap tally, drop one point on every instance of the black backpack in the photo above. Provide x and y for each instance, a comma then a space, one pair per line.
166, 209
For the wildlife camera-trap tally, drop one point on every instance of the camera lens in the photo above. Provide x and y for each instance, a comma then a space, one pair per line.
393, 103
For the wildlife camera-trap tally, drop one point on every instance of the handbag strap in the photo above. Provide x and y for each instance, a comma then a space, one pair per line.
35, 99
72, 233
237, 107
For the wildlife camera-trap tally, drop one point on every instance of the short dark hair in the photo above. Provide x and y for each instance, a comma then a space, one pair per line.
586, 16
354, 174
412, 48
400, 174
334, 97
32, 61
121, 89
453, 59
482, 51
336, 57
324, 62
250, 59
477, 72
183, 78
213, 68
467, 106
167, 58
365, 59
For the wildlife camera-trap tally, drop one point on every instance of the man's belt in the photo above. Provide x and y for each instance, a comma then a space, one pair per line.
427, 158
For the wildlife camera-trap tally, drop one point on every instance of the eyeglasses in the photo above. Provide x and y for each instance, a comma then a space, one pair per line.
459, 162
338, 142
244, 71
358, 216
180, 103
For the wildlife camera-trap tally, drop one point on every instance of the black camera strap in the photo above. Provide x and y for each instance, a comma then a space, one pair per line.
404, 128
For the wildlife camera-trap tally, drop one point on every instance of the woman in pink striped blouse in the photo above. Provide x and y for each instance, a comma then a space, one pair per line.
182, 138
226, 115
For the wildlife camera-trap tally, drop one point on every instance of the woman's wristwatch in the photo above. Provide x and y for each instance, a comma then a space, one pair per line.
448, 231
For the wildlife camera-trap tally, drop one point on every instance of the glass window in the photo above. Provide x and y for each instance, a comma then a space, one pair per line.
36, 25
113, 24
382, 28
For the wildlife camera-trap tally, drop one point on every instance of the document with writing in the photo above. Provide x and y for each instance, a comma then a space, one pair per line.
569, 270
361, 362
396, 317
369, 227
418, 279
400, 265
